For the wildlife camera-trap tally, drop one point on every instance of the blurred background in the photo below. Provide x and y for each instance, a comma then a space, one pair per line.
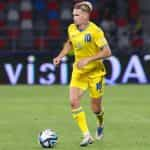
33, 32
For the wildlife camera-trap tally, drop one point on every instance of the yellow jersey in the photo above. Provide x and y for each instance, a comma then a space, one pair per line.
86, 43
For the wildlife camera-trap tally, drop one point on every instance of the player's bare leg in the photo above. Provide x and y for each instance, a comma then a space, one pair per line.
97, 108
79, 115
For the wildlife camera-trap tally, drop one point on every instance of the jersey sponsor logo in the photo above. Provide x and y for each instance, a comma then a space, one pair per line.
87, 37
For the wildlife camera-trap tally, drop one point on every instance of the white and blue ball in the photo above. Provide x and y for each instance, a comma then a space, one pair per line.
48, 138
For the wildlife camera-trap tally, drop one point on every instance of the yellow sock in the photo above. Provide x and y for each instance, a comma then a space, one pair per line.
100, 118
79, 116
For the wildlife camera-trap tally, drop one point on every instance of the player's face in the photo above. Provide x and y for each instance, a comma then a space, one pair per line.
79, 16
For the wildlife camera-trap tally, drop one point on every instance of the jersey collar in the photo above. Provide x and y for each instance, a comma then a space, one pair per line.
83, 29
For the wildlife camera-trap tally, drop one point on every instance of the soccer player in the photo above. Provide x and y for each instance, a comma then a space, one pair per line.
90, 48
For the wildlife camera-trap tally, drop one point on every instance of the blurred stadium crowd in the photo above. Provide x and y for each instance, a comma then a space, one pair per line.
42, 24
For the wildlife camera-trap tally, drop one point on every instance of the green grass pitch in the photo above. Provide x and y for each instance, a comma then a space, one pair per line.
27, 110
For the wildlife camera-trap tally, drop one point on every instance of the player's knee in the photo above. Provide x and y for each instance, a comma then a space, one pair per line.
96, 105
74, 103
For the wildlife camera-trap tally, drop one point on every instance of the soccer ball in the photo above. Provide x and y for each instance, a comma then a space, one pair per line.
48, 138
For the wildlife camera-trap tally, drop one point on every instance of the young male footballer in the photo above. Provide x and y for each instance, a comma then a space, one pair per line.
90, 48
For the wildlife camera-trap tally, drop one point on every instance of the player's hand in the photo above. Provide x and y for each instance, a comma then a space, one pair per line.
81, 63
56, 60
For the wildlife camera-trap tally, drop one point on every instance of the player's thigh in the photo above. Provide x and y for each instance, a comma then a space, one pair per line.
75, 93
96, 87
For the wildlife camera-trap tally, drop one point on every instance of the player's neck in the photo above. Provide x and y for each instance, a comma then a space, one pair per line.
83, 26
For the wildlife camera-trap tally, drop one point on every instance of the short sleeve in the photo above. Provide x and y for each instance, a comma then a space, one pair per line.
99, 38
69, 30
68, 33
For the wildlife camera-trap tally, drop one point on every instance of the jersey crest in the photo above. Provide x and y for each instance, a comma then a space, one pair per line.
87, 37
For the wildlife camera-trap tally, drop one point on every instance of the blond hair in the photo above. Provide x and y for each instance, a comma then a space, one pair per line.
84, 6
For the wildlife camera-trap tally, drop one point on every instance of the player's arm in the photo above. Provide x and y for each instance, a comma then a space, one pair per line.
66, 48
103, 53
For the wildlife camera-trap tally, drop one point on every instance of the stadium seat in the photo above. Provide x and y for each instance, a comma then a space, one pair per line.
54, 23
26, 5
26, 40
2, 15
26, 15
133, 8
40, 17
40, 5
13, 33
52, 14
2, 24
95, 15
66, 14
40, 27
2, 20
54, 33
13, 4
137, 42
122, 22
123, 42
121, 8
13, 15
108, 25
41, 43
2, 6
53, 5
2, 42
13, 22
26, 24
